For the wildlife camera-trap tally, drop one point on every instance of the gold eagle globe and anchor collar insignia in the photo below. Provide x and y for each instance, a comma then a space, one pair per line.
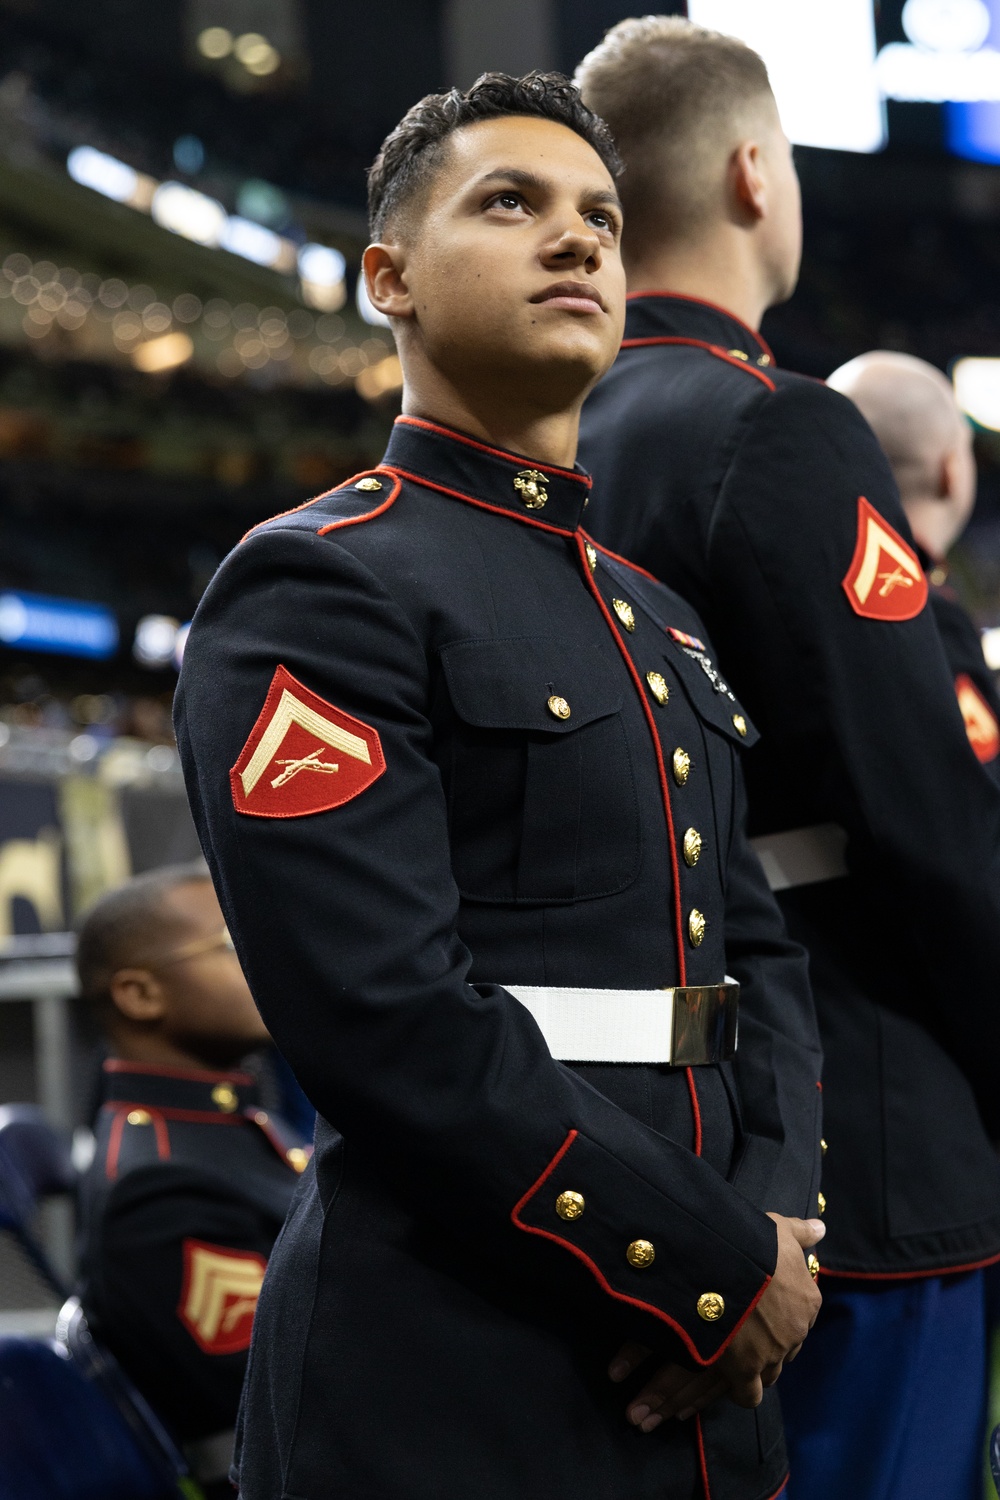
304, 755
530, 485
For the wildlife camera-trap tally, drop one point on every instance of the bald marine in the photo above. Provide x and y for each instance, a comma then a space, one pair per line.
911, 408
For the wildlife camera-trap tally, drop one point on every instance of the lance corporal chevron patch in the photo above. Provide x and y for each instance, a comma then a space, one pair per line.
885, 580
303, 755
980, 723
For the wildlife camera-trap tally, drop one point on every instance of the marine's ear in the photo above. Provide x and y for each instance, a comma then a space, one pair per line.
384, 269
748, 180
137, 995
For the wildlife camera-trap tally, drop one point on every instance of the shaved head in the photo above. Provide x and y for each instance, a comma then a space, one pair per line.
911, 408
679, 99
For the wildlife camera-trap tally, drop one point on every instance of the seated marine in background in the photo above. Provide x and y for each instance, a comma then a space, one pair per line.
191, 1178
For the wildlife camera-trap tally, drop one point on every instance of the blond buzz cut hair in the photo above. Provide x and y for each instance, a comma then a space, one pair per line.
678, 100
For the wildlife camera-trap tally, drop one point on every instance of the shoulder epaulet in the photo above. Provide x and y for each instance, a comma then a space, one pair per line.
364, 487
135, 1132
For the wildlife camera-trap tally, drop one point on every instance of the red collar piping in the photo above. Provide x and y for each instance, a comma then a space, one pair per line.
498, 510
513, 458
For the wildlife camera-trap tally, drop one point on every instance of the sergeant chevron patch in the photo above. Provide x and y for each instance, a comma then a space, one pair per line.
885, 580
303, 755
980, 724
219, 1296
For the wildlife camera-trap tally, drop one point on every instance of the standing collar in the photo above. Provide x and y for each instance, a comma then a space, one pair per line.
458, 465
670, 315
208, 1093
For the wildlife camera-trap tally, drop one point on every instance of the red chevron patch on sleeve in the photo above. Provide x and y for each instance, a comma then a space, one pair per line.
219, 1295
885, 580
303, 755
980, 722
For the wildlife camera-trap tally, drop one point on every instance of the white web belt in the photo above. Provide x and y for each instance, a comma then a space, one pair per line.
802, 856
686, 1025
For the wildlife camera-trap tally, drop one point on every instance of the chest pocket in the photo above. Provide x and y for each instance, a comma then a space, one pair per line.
710, 694
542, 803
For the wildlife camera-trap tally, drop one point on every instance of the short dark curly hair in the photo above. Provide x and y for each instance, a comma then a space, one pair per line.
410, 153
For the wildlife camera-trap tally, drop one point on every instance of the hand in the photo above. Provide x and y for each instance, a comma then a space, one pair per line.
772, 1334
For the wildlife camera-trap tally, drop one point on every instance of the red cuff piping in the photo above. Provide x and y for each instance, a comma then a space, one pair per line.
514, 458
601, 1279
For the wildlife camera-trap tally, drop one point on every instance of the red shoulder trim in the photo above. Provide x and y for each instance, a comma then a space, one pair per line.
972, 1265
716, 307
155, 1070
618, 557
598, 1274
498, 510
716, 349
517, 458
369, 515
114, 1144
168, 1112
294, 509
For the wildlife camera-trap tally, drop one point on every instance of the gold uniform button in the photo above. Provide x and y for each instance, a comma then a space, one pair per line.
640, 1254
696, 927
692, 846
261, 1117
812, 1265
369, 484
711, 1306
139, 1117
737, 354
570, 1206
530, 485
591, 556
824, 1148
821, 1202
739, 724
225, 1098
624, 612
682, 766
764, 359
558, 707
297, 1158
658, 686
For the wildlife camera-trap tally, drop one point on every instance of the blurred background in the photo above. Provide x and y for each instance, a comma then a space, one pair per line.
184, 348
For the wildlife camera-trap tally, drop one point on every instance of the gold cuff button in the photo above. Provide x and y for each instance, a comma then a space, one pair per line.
658, 686
624, 613
369, 484
711, 1306
824, 1148
696, 927
530, 485
739, 724
692, 846
570, 1206
225, 1098
640, 1254
812, 1266
682, 766
821, 1202
139, 1117
298, 1158
558, 707
591, 556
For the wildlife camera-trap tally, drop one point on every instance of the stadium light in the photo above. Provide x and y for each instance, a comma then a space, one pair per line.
977, 390
64, 627
820, 57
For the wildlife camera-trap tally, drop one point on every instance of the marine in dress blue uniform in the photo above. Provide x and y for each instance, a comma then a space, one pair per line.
190, 1182
770, 507
470, 750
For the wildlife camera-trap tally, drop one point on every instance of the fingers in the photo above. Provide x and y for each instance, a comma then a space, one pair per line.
748, 1393
808, 1232
671, 1392
629, 1357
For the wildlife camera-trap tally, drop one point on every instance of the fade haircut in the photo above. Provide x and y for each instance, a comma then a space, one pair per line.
677, 98
129, 926
412, 153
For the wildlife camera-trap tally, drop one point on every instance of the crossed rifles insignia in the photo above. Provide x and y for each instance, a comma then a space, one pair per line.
286, 769
885, 580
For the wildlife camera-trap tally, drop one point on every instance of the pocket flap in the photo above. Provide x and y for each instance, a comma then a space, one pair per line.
709, 691
508, 683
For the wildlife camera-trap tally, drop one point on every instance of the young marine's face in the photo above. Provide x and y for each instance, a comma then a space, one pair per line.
513, 266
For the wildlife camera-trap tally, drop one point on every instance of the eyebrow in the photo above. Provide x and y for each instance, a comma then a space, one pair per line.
519, 177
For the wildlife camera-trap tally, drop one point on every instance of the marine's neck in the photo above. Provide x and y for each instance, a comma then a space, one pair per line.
718, 269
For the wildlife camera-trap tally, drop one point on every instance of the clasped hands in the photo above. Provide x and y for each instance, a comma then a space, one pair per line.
770, 1337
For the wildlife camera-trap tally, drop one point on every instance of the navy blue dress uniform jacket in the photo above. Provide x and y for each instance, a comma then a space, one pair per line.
764, 497
526, 748
188, 1188
975, 684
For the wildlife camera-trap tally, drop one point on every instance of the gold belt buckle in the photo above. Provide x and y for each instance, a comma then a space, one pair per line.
705, 1023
